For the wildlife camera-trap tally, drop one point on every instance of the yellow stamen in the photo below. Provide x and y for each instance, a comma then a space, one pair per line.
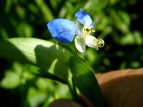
86, 31
93, 30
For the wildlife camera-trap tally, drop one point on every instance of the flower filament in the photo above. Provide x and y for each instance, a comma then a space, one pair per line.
87, 31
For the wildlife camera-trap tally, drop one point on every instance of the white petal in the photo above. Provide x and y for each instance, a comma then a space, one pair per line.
80, 43
91, 41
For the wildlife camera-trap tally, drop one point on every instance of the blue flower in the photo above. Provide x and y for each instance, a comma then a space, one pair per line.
64, 30
84, 18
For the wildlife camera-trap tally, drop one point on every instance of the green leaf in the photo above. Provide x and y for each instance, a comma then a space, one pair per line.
44, 54
84, 79
44, 74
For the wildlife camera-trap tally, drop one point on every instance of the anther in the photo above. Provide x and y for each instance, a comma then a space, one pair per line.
100, 43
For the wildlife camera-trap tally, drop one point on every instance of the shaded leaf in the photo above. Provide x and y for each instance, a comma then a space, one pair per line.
84, 79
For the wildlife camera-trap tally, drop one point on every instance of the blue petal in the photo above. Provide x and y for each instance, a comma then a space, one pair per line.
63, 30
84, 18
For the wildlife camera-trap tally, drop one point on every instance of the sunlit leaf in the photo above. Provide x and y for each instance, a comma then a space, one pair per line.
44, 54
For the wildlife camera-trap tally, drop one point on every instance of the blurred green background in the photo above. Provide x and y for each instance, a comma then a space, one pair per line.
118, 22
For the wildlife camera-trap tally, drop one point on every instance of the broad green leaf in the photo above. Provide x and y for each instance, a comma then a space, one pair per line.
84, 79
42, 73
44, 54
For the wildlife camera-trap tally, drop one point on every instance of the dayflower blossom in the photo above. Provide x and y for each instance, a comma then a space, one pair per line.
64, 30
